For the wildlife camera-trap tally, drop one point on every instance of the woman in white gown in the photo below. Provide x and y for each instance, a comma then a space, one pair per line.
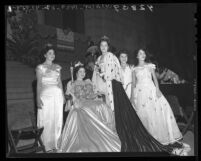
90, 124
50, 100
150, 104
126, 71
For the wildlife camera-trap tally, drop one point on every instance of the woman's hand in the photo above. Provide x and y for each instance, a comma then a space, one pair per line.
96, 68
133, 102
99, 93
39, 103
158, 93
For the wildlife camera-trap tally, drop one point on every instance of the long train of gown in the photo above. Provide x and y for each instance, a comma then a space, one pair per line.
88, 129
133, 135
154, 112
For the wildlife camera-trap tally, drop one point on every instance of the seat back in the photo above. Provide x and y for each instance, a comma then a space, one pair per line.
26, 140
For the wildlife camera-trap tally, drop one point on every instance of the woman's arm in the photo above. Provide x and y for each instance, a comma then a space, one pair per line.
39, 86
158, 93
133, 85
58, 68
154, 78
70, 94
61, 87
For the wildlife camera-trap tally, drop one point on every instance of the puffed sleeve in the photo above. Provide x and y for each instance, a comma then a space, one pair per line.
152, 66
113, 68
58, 67
39, 69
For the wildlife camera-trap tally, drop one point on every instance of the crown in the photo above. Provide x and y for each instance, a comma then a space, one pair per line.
49, 45
105, 37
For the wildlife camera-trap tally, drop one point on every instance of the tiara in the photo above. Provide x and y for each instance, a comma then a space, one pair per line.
78, 64
49, 45
105, 37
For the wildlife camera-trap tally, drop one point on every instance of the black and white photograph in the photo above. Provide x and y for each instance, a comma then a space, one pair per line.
101, 80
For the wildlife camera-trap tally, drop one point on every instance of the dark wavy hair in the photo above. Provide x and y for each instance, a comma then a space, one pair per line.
76, 69
123, 51
45, 49
106, 39
147, 59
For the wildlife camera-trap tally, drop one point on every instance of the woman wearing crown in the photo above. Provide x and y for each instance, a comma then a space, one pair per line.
90, 123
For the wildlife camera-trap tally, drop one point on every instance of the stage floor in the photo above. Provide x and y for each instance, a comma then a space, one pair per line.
19, 117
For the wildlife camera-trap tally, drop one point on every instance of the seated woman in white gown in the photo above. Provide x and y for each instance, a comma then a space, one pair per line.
90, 123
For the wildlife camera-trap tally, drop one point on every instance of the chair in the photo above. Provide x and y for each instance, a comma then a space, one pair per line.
26, 134
184, 122
189, 125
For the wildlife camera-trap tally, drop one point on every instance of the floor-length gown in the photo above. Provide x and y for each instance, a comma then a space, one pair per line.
133, 135
90, 123
154, 112
51, 115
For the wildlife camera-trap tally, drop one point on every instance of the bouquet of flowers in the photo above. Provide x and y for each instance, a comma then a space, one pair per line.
100, 71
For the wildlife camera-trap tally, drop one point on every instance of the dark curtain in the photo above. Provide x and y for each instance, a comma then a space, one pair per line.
53, 18
179, 41
74, 19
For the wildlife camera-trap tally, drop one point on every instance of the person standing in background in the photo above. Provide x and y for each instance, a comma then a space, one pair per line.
126, 71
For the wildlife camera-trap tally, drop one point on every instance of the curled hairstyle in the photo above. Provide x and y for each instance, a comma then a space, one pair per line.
147, 59
76, 69
46, 48
123, 51
106, 39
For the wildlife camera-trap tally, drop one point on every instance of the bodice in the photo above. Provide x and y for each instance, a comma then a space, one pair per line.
50, 76
143, 74
127, 75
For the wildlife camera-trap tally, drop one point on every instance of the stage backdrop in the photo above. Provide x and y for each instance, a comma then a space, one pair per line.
168, 32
